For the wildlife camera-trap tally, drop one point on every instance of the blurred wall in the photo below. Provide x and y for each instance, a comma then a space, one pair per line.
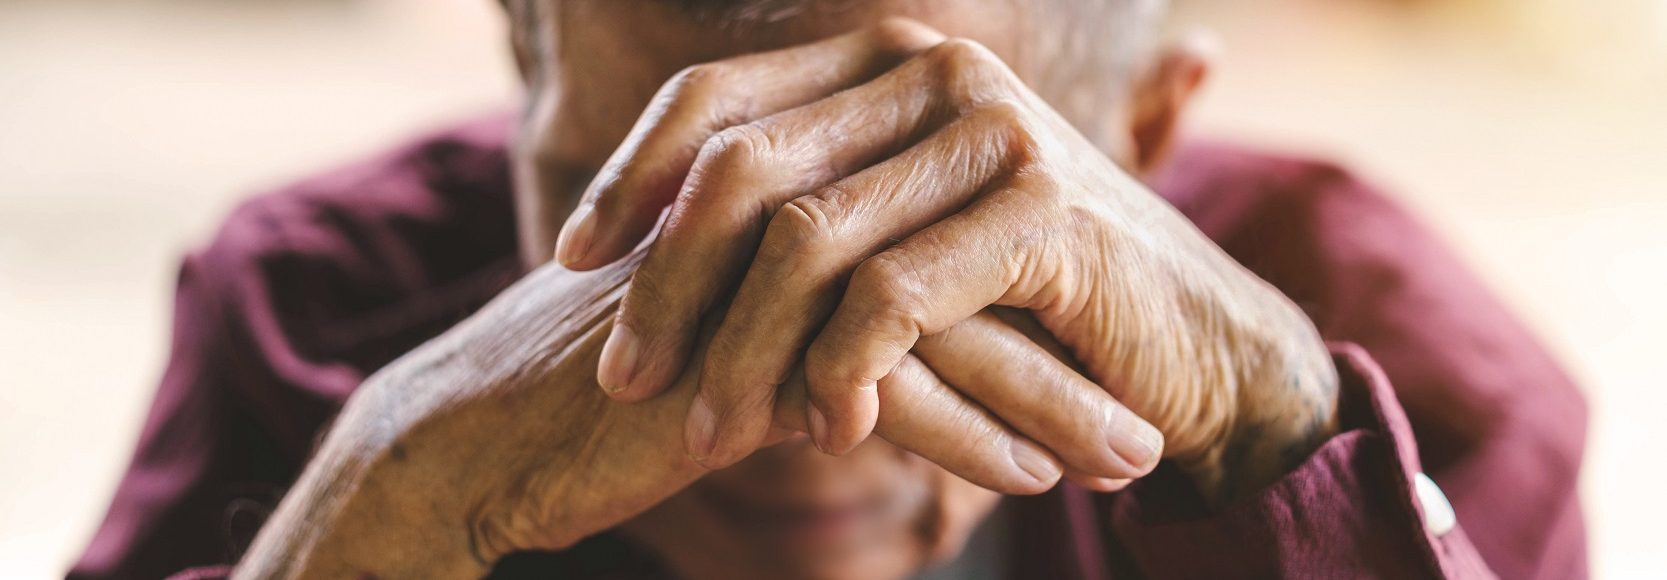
1533, 135
127, 130
1529, 132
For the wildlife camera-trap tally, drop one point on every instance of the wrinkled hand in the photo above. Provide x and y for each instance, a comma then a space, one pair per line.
495, 438
871, 191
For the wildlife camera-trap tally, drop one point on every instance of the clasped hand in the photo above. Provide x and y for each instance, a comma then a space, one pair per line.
883, 232
858, 203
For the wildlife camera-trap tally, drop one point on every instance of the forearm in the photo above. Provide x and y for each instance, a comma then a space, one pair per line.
351, 516
489, 439
392, 490
383, 498
1351, 509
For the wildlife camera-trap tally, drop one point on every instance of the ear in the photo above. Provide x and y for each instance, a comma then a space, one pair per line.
1164, 93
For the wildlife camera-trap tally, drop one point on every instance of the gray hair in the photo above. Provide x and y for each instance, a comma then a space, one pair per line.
1109, 36
1097, 46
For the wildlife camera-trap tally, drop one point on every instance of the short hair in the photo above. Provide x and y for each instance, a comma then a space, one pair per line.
1109, 39
1102, 45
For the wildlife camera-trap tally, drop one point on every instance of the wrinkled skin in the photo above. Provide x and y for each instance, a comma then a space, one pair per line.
969, 226
861, 251
495, 438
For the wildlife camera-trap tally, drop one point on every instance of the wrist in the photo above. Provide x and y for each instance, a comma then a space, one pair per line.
1285, 408
352, 514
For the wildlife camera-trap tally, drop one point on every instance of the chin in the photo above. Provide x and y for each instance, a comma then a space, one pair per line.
790, 512
871, 563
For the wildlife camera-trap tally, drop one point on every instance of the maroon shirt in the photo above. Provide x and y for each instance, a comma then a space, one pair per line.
306, 291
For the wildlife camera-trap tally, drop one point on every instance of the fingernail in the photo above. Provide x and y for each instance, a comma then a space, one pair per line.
1107, 484
700, 434
818, 429
1149, 442
574, 241
619, 360
1034, 461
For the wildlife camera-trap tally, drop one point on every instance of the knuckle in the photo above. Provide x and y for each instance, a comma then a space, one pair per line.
963, 52
1043, 194
966, 70
735, 150
1005, 113
982, 432
1014, 123
1084, 422
1055, 394
1083, 227
729, 155
740, 146
694, 81
801, 228
890, 282
897, 34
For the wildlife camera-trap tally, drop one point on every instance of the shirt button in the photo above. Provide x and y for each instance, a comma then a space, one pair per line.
1438, 513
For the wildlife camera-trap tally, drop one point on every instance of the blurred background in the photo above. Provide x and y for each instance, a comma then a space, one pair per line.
1531, 133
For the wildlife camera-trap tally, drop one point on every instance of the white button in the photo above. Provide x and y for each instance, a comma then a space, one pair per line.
1438, 513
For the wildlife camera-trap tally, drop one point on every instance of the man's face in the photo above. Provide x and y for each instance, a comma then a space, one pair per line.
603, 59
592, 66
788, 510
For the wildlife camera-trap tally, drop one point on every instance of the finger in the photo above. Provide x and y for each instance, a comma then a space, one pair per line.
1099, 484
739, 177
645, 173
991, 253
813, 243
926, 417
1042, 398
809, 248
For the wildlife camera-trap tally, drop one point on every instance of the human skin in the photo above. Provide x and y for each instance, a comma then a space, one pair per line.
899, 181
496, 437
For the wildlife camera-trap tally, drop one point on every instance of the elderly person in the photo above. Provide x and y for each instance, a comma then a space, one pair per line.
858, 289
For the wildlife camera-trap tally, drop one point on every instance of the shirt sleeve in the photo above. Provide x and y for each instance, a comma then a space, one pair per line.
1440, 379
227, 430
301, 294
167, 512
1354, 509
